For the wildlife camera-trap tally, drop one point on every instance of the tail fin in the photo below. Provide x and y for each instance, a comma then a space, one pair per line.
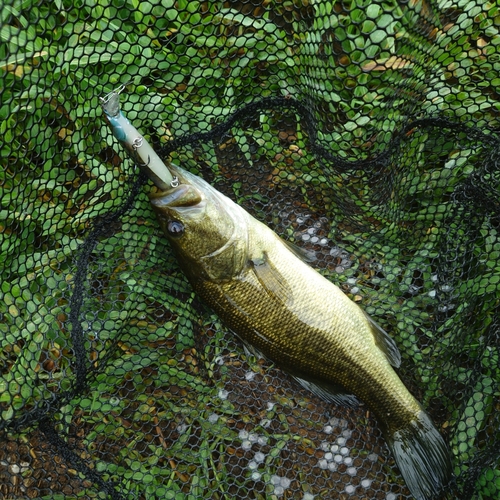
422, 456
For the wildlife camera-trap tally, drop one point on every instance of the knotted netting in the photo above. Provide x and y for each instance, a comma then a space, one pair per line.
363, 131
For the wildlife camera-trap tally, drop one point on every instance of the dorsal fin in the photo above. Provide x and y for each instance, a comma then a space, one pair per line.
303, 254
385, 343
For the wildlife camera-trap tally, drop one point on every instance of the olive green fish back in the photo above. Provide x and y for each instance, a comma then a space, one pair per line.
363, 131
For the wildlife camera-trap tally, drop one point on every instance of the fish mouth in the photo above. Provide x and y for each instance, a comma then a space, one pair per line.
184, 195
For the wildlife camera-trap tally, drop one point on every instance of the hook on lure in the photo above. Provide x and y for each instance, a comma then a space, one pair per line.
134, 142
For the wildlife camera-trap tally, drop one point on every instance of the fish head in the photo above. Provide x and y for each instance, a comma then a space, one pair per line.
205, 228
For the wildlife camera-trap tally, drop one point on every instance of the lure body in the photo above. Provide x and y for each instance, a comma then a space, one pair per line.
134, 142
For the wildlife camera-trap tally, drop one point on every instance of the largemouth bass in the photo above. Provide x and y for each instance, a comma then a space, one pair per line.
276, 302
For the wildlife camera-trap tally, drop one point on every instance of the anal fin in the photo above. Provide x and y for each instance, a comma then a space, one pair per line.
329, 392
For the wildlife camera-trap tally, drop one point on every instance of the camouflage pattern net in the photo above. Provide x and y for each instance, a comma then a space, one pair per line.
361, 130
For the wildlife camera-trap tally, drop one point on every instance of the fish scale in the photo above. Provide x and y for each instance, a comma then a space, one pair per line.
305, 338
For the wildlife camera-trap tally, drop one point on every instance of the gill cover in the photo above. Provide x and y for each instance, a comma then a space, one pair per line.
212, 242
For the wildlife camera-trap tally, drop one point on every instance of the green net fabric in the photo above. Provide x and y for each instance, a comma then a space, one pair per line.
365, 131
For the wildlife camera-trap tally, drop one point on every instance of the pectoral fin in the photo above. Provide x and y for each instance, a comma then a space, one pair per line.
385, 343
271, 280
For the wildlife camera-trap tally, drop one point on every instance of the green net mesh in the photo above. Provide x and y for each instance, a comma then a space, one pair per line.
365, 131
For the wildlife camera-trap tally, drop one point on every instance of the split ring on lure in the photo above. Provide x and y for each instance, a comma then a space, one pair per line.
135, 143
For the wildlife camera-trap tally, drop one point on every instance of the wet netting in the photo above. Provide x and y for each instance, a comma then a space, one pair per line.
365, 132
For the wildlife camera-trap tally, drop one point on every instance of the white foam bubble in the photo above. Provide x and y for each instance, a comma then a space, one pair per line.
279, 490
285, 482
223, 394
265, 423
322, 464
262, 440
181, 428
246, 444
350, 489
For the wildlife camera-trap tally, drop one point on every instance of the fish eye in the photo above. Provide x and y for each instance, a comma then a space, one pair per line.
175, 228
